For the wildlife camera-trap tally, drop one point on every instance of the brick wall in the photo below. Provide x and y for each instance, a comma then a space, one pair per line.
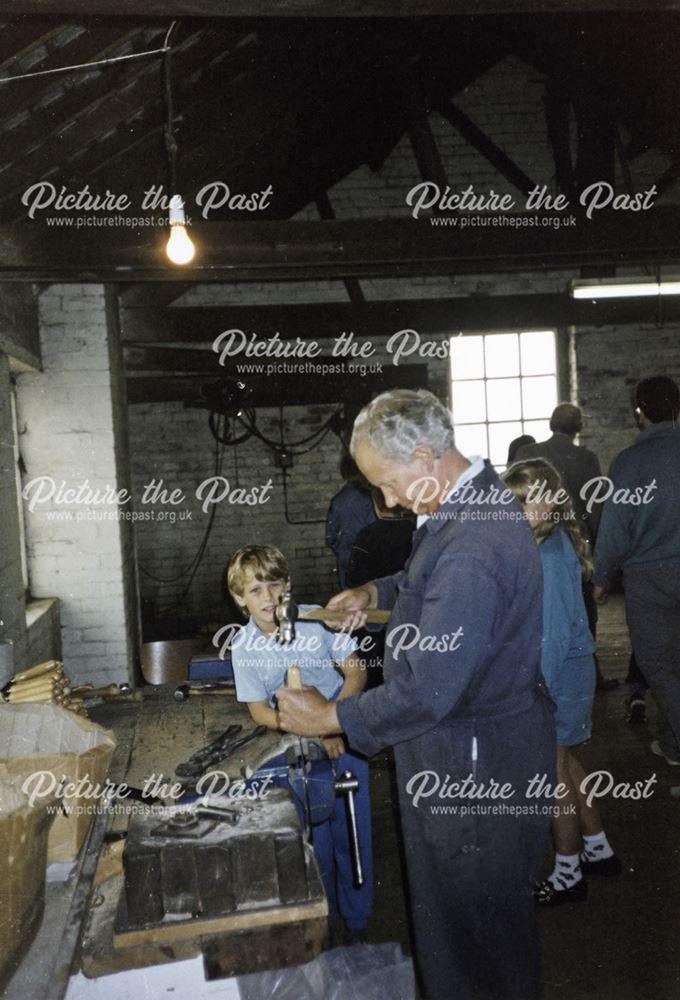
67, 433
174, 444
610, 360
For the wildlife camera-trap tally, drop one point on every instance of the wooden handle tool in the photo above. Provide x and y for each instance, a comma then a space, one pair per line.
294, 678
374, 616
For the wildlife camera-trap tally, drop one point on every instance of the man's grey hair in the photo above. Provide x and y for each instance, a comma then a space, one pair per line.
396, 422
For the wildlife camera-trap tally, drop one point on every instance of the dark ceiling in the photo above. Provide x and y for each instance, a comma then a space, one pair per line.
301, 103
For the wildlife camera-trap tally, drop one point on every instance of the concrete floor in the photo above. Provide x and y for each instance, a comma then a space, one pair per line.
622, 943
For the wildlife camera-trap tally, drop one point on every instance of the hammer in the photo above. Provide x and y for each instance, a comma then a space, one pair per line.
184, 691
112, 691
287, 613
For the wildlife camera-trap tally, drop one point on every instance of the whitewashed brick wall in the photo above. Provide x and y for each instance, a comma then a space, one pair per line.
66, 417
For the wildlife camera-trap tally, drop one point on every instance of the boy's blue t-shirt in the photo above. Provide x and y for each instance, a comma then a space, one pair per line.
260, 663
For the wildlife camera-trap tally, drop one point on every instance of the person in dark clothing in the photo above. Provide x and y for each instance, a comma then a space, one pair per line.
516, 444
642, 537
463, 703
576, 466
380, 549
351, 509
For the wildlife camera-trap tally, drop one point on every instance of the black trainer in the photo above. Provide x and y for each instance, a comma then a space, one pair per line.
545, 893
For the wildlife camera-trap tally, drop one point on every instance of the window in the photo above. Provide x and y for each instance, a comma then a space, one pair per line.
502, 385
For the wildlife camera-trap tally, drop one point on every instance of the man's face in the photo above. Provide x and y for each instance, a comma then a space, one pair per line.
412, 484
260, 598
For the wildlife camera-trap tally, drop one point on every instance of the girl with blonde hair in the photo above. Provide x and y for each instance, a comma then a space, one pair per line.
568, 666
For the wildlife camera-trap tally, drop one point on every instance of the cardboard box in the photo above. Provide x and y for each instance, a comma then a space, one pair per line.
23, 859
47, 740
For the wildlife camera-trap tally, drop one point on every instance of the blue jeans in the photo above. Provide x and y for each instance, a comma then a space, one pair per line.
331, 839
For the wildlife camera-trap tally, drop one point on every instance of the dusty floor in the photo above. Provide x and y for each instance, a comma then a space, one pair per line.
622, 943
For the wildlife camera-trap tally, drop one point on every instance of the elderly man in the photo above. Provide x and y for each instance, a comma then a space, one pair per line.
462, 702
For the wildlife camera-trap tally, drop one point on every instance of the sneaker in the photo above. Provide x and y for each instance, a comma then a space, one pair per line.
655, 747
604, 867
636, 710
545, 893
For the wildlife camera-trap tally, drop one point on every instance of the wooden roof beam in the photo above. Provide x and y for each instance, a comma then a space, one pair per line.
328, 8
307, 251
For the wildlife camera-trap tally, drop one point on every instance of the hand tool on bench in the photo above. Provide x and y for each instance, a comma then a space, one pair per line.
191, 772
288, 612
186, 690
207, 752
110, 691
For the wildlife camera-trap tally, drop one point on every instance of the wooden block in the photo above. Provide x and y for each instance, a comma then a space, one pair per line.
178, 879
256, 879
291, 868
265, 948
215, 881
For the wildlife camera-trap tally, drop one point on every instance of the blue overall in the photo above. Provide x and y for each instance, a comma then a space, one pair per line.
478, 710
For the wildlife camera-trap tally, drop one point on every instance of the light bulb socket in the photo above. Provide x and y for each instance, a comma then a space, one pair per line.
176, 216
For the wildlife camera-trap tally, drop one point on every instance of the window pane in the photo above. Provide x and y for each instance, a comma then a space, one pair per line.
500, 436
502, 354
539, 396
503, 399
467, 357
540, 429
538, 353
471, 440
469, 405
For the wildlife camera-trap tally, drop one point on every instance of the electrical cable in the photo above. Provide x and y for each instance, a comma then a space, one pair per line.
91, 65
196, 561
279, 446
170, 142
228, 440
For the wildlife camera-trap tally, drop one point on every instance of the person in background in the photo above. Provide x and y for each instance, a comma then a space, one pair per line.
643, 539
568, 666
380, 549
351, 509
516, 444
576, 466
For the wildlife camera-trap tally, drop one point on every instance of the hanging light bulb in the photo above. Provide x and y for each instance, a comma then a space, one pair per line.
180, 249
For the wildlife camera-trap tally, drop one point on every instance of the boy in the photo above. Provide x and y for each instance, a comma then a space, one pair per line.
257, 578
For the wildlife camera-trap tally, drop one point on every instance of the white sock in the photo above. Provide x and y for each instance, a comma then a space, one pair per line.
596, 847
567, 871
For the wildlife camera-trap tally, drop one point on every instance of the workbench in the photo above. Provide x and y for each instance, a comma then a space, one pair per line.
154, 733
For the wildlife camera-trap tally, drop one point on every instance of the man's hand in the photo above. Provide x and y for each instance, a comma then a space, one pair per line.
334, 746
306, 712
600, 595
353, 602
